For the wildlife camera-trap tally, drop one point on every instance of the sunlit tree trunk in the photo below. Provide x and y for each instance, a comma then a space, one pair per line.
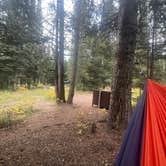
59, 65
75, 51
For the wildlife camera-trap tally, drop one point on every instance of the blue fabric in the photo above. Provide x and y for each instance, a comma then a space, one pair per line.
130, 152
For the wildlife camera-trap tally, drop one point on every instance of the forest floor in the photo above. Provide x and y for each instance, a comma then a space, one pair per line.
61, 136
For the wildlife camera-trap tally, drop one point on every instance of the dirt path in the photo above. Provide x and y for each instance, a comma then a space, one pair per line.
60, 136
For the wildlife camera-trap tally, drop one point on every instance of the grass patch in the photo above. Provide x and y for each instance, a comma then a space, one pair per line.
11, 115
15, 106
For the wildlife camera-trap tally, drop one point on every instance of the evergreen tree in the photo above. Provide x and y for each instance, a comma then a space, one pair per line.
21, 46
121, 90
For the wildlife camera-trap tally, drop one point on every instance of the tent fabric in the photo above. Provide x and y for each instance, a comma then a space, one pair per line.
144, 143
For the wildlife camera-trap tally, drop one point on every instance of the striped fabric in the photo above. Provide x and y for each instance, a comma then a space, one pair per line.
144, 143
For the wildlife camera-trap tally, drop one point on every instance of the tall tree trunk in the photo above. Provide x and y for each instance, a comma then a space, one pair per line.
59, 59
151, 73
147, 64
121, 91
153, 47
75, 51
57, 53
61, 51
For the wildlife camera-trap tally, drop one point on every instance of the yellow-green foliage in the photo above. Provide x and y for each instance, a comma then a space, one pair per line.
21, 88
135, 95
81, 125
14, 113
40, 86
49, 93
16, 106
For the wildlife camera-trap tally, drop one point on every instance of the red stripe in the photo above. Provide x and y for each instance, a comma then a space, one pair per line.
154, 140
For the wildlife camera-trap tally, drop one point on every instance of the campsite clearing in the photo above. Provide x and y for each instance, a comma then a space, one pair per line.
61, 135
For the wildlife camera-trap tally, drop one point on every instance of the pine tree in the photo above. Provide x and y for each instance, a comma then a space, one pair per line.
60, 90
121, 91
76, 38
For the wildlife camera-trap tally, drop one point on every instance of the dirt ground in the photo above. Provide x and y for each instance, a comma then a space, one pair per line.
61, 136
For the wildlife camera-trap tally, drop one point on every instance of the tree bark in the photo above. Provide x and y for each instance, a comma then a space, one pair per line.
147, 64
75, 51
59, 63
61, 52
152, 51
57, 54
153, 47
121, 90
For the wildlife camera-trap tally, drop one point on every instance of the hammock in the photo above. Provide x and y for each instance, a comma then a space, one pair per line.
144, 143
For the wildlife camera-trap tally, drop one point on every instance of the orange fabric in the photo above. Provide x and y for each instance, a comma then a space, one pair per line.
154, 139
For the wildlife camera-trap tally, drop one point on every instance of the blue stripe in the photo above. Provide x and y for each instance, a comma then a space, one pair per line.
130, 152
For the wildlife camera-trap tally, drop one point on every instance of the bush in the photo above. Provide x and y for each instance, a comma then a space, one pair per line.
21, 88
10, 115
135, 95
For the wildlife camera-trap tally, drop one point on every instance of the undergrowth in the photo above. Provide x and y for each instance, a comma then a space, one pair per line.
16, 106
